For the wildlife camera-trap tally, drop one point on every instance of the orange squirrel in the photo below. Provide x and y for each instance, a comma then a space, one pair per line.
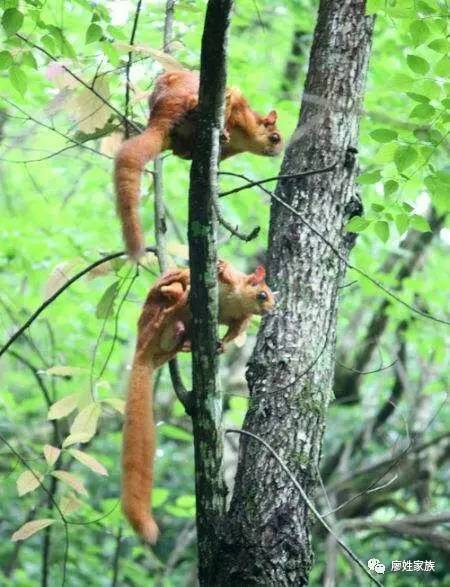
171, 125
163, 330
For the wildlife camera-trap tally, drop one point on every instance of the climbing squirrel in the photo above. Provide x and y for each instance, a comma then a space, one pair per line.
164, 330
171, 125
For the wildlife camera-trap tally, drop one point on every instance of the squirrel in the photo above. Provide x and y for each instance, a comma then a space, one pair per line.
171, 125
163, 330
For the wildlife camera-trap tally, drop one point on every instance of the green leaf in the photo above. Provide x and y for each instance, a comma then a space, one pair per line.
390, 187
105, 306
49, 43
419, 31
401, 222
369, 177
174, 432
159, 496
420, 223
404, 157
29, 60
377, 207
429, 88
12, 21
417, 64
18, 79
381, 229
418, 97
384, 135
407, 207
185, 501
439, 45
357, 224
442, 67
5, 59
94, 33
422, 111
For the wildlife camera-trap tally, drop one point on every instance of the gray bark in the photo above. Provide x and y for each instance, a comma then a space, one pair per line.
266, 538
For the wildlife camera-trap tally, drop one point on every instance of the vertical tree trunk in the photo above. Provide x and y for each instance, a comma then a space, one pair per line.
206, 409
266, 538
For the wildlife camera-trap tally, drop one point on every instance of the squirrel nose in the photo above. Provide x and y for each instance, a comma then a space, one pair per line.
275, 138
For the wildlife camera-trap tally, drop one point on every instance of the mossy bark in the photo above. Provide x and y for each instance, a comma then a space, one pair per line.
206, 409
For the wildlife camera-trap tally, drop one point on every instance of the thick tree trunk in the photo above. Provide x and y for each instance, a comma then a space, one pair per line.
266, 539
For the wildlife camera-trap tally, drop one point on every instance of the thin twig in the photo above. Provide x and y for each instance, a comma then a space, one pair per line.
246, 237
251, 184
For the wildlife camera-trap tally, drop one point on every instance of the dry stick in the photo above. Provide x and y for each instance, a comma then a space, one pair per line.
332, 247
306, 499
59, 291
160, 221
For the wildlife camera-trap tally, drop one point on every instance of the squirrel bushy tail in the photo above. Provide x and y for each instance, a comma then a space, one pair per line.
133, 154
139, 449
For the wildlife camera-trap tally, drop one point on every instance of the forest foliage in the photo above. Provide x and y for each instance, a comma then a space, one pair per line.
63, 70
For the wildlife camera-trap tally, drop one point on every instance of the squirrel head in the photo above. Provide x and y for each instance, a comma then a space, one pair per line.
250, 131
258, 297
269, 135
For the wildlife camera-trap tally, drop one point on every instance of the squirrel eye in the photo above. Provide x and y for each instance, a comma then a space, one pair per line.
261, 296
275, 138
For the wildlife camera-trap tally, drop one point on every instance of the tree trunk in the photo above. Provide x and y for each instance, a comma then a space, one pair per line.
266, 537
206, 408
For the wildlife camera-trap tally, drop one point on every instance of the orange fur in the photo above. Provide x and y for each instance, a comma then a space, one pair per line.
171, 125
163, 330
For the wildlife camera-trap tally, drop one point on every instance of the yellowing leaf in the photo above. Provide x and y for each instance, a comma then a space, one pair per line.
76, 438
69, 504
63, 407
109, 146
31, 528
89, 109
59, 276
116, 403
63, 371
86, 420
89, 461
70, 480
166, 60
28, 481
51, 454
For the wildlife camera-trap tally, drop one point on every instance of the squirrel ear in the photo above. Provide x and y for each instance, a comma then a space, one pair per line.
271, 118
257, 276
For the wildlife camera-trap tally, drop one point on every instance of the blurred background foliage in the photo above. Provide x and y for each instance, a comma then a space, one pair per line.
57, 215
